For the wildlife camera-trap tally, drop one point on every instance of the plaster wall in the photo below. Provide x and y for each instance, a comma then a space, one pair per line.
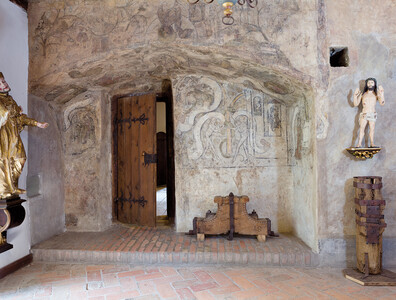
230, 138
83, 52
370, 35
14, 65
368, 30
45, 173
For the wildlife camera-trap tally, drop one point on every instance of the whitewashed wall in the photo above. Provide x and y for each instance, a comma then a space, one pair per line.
14, 65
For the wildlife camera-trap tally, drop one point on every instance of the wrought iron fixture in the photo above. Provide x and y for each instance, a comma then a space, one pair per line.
228, 4
141, 201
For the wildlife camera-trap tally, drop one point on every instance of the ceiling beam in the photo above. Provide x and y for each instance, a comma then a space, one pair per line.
21, 3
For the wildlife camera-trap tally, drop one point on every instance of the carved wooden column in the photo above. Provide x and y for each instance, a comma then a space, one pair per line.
370, 224
12, 215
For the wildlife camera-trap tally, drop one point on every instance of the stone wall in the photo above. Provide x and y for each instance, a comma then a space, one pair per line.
232, 138
83, 52
369, 32
243, 100
45, 173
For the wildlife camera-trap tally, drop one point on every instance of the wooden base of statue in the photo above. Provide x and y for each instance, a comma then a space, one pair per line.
386, 278
363, 152
231, 218
12, 214
370, 225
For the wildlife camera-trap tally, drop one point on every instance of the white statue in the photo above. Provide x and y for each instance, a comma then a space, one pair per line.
369, 98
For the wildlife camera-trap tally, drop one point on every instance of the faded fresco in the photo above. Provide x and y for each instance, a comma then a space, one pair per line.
239, 97
82, 23
258, 110
106, 43
222, 126
81, 135
232, 138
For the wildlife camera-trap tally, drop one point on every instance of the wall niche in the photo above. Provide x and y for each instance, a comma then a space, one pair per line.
230, 138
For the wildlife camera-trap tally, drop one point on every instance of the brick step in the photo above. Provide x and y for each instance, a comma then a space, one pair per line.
137, 245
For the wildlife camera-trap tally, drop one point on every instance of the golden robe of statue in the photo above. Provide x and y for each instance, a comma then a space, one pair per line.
12, 152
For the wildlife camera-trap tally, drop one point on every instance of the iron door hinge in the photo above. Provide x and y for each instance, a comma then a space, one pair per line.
131, 200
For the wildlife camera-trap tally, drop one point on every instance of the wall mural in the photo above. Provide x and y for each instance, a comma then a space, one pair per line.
80, 127
224, 126
95, 28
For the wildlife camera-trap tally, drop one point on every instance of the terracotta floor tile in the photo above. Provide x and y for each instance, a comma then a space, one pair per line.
338, 295
123, 295
167, 280
187, 282
279, 278
225, 289
250, 294
97, 298
128, 283
183, 283
377, 292
221, 278
277, 296
78, 295
202, 276
146, 287
130, 273
167, 271
43, 291
243, 283
266, 286
203, 286
390, 296
115, 269
104, 291
149, 276
186, 273
185, 294
110, 280
166, 291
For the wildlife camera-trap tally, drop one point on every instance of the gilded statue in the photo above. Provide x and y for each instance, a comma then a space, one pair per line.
369, 97
12, 152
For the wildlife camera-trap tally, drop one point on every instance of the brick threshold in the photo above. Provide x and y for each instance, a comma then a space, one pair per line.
142, 245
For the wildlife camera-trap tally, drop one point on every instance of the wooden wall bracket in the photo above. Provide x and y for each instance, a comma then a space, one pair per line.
364, 153
232, 217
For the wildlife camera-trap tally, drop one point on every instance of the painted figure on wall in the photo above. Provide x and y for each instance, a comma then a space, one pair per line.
12, 152
371, 93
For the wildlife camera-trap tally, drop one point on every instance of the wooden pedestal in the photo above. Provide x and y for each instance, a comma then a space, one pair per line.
12, 215
370, 224
232, 217
386, 278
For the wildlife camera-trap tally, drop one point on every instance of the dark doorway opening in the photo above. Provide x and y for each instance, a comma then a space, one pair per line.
165, 154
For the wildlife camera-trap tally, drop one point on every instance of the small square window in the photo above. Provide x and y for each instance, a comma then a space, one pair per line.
339, 57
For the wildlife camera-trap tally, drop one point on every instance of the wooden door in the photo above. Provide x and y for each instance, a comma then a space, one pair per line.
135, 202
